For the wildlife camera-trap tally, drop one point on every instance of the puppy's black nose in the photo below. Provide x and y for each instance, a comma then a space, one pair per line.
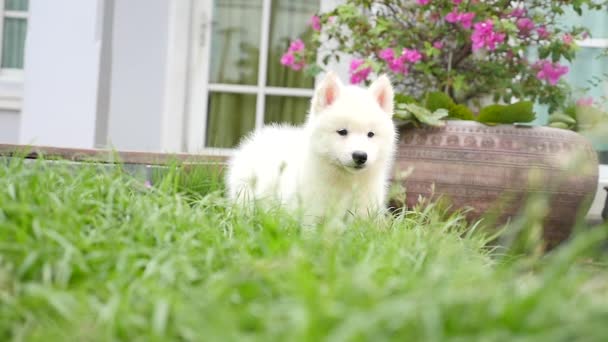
359, 157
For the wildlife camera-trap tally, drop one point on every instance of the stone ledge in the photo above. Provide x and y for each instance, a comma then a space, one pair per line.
107, 156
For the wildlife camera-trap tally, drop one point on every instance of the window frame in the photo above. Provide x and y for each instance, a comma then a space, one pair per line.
200, 60
11, 79
598, 43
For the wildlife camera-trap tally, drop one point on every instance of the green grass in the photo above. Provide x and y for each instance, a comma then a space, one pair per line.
96, 256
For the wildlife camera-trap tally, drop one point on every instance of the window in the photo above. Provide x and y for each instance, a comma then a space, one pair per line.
590, 64
13, 32
246, 86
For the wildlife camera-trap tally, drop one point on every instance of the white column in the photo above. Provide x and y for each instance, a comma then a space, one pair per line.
139, 74
61, 73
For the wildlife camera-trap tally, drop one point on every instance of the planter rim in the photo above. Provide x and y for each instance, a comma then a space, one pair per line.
472, 123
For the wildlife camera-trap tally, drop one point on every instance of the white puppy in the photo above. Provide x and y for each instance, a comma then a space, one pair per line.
337, 163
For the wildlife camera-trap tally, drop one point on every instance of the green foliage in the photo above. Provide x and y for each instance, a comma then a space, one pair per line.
436, 100
461, 112
507, 114
416, 113
404, 99
439, 106
561, 120
91, 254
363, 29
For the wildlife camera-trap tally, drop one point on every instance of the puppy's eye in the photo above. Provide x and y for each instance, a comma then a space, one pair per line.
342, 132
370, 134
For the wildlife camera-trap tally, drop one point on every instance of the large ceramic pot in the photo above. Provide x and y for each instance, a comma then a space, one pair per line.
486, 167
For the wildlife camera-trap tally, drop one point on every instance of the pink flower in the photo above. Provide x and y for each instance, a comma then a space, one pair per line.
387, 55
525, 26
357, 73
550, 72
456, 2
315, 23
567, 39
465, 19
438, 45
412, 56
423, 2
485, 36
585, 102
288, 59
296, 46
331, 19
452, 17
297, 66
542, 32
397, 65
518, 12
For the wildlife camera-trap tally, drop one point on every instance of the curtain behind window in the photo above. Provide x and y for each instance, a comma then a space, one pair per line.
13, 35
234, 60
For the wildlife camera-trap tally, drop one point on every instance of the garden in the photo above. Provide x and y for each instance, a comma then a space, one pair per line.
98, 254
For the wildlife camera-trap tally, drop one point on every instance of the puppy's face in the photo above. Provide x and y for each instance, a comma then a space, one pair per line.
352, 127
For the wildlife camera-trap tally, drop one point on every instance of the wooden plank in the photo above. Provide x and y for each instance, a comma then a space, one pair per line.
107, 156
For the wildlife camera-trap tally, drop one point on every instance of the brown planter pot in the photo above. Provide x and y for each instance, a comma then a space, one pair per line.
479, 166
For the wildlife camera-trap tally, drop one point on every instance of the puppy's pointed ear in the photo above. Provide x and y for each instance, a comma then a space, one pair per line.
326, 93
383, 93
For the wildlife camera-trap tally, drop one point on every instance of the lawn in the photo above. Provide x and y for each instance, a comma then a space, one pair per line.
95, 255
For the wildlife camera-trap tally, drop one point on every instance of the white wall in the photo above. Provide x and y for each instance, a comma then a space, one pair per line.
9, 127
61, 73
139, 52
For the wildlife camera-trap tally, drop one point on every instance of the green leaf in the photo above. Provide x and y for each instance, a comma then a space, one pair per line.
403, 115
543, 52
459, 83
312, 70
561, 117
589, 116
561, 125
507, 114
425, 116
402, 98
437, 100
461, 112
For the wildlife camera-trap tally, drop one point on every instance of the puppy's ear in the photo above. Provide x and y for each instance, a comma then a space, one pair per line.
383, 93
326, 93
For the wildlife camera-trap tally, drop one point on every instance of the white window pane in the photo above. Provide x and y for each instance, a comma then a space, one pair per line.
16, 5
231, 116
286, 109
289, 19
235, 41
13, 43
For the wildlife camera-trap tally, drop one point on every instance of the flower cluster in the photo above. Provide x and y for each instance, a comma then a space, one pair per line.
464, 18
468, 49
293, 58
485, 36
550, 72
358, 71
400, 64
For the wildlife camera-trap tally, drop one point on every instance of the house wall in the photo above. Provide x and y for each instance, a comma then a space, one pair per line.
139, 56
61, 73
9, 126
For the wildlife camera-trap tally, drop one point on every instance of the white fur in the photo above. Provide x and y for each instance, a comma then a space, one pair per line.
311, 168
